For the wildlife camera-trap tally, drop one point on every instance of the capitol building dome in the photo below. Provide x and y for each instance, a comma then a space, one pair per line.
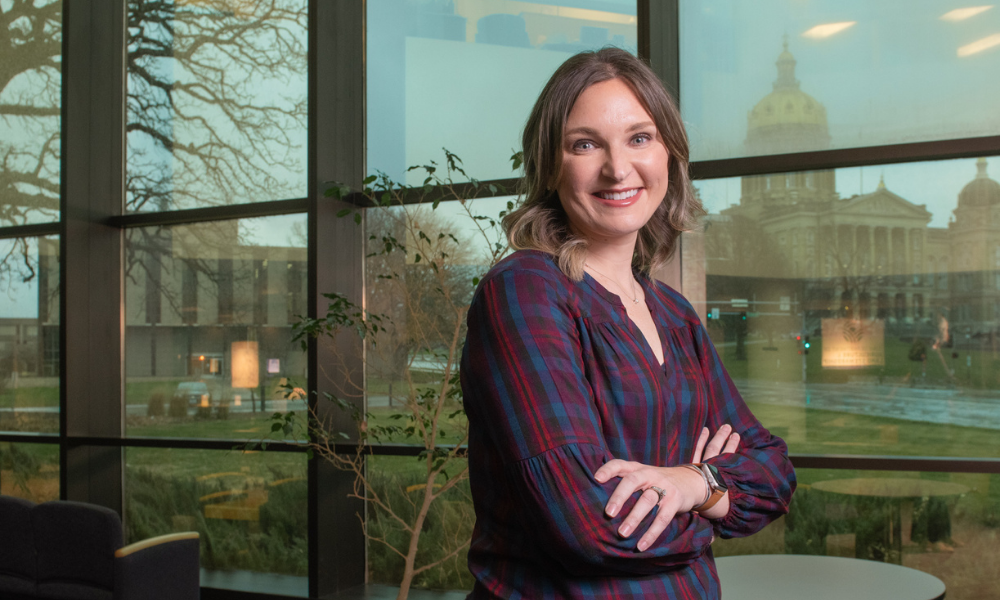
787, 119
981, 191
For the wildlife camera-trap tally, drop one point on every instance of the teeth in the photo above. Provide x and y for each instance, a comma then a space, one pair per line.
621, 196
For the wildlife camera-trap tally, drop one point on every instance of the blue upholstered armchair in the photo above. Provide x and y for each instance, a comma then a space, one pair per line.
73, 551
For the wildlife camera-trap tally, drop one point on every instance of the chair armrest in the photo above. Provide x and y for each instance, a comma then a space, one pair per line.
155, 541
160, 568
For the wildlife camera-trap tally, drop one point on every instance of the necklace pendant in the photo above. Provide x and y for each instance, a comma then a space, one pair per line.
635, 301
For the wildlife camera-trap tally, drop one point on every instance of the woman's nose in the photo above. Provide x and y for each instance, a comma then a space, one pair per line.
616, 165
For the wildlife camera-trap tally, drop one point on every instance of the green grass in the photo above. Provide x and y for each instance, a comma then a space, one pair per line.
173, 490
974, 368
811, 431
239, 426
29, 397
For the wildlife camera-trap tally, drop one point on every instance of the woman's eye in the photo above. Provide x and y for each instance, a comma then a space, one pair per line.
642, 138
583, 145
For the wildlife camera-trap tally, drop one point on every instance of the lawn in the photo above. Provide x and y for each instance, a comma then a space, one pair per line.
812, 431
780, 360
171, 489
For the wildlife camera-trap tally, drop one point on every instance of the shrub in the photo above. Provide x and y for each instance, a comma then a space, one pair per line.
178, 407
156, 405
157, 504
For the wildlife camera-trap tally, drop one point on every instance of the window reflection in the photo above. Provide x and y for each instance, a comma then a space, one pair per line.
250, 509
216, 104
463, 74
29, 334
780, 76
874, 311
29, 471
209, 310
30, 88
423, 308
940, 523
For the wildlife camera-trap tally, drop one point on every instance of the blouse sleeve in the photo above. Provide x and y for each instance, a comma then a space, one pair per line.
759, 474
527, 391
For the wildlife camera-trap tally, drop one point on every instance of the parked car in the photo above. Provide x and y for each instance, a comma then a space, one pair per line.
195, 392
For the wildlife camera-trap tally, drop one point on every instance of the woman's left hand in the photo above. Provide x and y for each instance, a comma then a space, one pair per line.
683, 488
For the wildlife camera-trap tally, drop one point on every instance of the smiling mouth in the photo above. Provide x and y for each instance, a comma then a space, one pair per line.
623, 195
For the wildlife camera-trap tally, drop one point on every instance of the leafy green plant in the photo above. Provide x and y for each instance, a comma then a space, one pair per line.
422, 276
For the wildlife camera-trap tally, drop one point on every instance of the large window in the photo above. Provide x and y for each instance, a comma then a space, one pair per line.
941, 523
29, 471
216, 103
29, 334
30, 84
170, 213
779, 76
464, 74
855, 308
209, 310
250, 510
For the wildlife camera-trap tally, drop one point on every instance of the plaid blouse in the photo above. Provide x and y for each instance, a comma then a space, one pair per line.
557, 381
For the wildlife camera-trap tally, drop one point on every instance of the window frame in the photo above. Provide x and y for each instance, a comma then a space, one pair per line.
92, 225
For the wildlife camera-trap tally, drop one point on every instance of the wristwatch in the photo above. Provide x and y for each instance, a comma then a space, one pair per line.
716, 489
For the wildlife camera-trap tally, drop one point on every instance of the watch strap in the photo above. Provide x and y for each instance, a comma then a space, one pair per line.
716, 491
708, 486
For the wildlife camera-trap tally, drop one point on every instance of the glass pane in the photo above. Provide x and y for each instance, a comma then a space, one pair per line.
423, 307
250, 509
470, 71
780, 76
30, 108
208, 313
399, 481
857, 310
216, 108
29, 334
29, 471
944, 524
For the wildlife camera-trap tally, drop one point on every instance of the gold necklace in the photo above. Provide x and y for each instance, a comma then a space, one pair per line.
635, 296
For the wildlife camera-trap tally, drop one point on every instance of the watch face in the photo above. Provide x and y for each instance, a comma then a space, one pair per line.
716, 480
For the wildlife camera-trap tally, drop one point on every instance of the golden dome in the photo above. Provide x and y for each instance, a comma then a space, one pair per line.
787, 104
981, 191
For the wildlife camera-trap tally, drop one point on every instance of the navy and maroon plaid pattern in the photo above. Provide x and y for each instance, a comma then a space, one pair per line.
557, 381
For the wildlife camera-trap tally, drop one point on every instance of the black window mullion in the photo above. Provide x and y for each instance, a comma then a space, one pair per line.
92, 191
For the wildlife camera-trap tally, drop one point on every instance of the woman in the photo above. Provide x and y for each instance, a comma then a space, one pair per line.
590, 387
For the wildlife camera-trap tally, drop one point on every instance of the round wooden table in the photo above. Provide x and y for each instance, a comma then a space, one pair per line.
899, 493
795, 576
888, 487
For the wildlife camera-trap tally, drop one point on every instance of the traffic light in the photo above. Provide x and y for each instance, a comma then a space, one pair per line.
805, 345
743, 315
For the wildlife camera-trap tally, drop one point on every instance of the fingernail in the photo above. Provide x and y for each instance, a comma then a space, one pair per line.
612, 510
625, 530
643, 544
735, 436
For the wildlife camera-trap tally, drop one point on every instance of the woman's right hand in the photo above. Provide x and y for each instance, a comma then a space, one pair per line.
723, 442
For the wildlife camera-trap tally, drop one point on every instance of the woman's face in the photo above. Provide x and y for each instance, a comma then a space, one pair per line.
614, 164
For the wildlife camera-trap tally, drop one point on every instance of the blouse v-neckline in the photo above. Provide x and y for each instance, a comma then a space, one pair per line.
616, 301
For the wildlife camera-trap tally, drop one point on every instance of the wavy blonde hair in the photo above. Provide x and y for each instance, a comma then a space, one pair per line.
540, 223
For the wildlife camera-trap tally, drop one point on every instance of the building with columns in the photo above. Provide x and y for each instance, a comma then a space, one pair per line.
866, 256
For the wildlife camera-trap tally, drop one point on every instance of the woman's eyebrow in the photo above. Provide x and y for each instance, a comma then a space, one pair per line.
583, 130
642, 125
590, 131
